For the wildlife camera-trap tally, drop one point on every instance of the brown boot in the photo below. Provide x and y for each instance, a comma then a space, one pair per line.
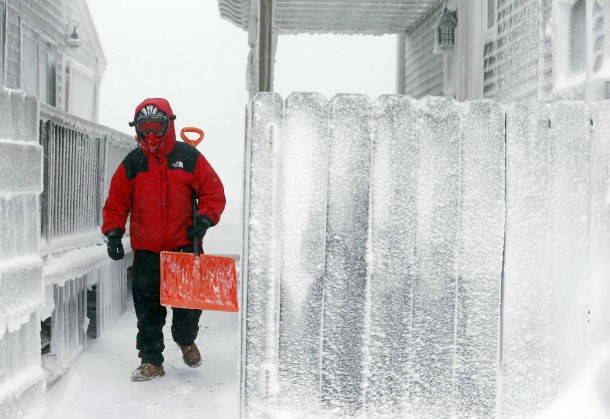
146, 372
191, 355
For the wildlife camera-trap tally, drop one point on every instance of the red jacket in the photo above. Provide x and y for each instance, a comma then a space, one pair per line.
157, 190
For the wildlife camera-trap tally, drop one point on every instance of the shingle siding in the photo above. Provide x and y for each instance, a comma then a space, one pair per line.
511, 60
13, 34
545, 75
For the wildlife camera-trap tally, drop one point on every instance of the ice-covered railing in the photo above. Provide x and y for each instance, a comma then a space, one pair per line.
421, 259
80, 157
79, 279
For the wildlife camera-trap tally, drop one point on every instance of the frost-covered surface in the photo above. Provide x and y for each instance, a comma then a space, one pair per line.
303, 206
68, 327
407, 315
21, 289
75, 263
259, 298
21, 377
556, 274
345, 275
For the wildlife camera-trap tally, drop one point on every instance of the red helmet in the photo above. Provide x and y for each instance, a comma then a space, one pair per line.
151, 125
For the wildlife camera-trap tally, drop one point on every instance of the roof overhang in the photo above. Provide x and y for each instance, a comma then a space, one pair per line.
376, 17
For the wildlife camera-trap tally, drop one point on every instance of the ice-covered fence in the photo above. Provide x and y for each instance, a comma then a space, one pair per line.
21, 291
381, 238
109, 287
68, 328
80, 157
79, 160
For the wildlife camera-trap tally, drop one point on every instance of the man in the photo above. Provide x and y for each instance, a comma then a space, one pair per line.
155, 185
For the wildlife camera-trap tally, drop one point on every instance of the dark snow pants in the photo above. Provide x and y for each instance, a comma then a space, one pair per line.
151, 314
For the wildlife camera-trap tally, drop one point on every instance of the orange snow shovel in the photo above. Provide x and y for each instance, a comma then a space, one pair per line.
191, 280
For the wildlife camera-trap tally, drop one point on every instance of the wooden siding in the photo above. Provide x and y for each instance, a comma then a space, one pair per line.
423, 69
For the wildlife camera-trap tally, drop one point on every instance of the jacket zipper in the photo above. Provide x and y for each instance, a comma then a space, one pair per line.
163, 180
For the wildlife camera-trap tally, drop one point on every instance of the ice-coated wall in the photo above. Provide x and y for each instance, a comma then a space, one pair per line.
421, 258
21, 286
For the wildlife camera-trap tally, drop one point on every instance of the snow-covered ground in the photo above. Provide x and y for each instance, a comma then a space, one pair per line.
98, 385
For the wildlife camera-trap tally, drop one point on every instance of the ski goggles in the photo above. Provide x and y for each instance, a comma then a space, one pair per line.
152, 124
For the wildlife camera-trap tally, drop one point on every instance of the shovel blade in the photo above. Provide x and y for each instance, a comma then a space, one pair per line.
206, 282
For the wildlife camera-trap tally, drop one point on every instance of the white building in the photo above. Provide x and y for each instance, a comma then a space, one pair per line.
504, 49
50, 49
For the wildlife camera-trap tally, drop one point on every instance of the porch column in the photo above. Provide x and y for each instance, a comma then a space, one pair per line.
262, 41
400, 63
469, 50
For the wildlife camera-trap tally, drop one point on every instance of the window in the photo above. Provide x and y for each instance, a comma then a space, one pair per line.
79, 90
491, 13
490, 20
599, 36
2, 40
38, 65
578, 35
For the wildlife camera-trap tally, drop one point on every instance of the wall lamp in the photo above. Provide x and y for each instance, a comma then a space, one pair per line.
72, 37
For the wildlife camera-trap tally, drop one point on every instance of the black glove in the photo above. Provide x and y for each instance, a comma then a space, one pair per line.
202, 223
115, 246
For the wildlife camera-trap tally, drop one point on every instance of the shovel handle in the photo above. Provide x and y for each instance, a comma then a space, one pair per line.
187, 140
195, 244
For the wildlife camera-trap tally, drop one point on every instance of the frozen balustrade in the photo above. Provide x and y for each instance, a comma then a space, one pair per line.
421, 258
85, 291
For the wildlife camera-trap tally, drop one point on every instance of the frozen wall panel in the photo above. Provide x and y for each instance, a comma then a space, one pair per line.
599, 292
570, 235
20, 288
3, 358
20, 167
303, 236
346, 254
527, 368
18, 116
6, 119
435, 285
393, 207
22, 346
23, 397
31, 117
30, 338
260, 301
26, 403
19, 224
481, 245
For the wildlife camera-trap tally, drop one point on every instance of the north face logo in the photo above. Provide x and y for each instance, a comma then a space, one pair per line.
177, 164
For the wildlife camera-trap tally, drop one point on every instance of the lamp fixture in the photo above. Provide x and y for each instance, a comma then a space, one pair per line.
72, 38
445, 32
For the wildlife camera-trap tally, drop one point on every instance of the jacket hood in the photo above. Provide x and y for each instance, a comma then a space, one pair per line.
169, 139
